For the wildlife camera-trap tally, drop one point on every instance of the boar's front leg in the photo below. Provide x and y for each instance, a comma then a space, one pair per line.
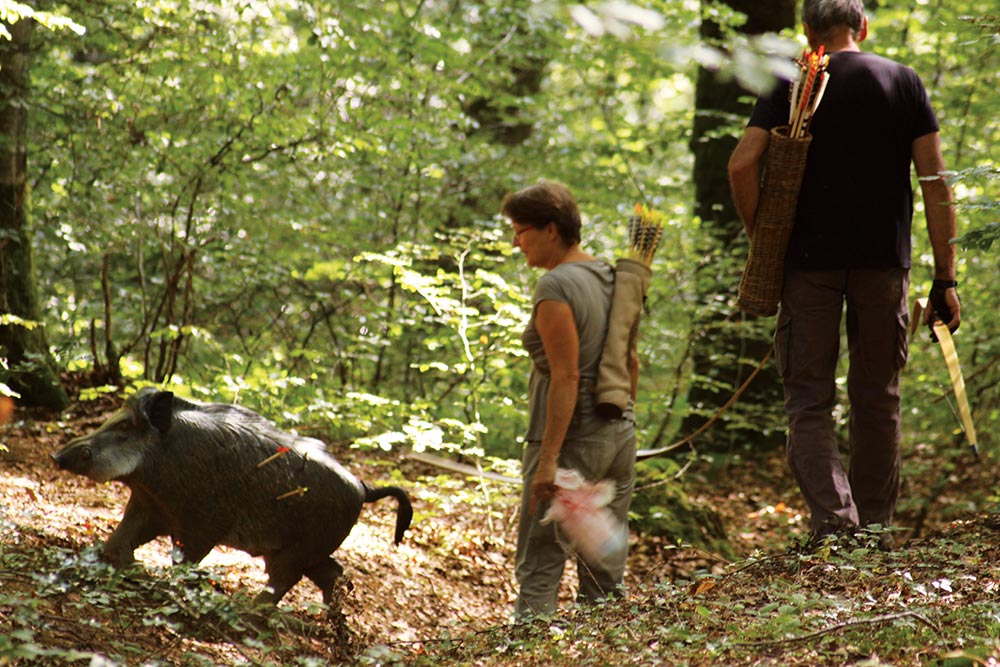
139, 525
194, 546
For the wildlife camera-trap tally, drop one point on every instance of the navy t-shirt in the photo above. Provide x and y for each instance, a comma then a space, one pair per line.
856, 203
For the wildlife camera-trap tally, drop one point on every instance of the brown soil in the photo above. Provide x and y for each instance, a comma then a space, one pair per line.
451, 576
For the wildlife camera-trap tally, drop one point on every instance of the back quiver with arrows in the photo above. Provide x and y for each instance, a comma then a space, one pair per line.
614, 382
614, 387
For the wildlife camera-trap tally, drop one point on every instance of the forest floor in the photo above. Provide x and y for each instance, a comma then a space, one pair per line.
444, 596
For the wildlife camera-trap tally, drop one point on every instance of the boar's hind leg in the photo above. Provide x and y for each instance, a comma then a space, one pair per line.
138, 526
284, 570
325, 574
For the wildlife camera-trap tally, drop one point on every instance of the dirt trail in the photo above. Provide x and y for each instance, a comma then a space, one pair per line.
451, 576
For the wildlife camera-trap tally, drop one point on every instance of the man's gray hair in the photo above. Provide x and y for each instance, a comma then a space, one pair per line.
825, 15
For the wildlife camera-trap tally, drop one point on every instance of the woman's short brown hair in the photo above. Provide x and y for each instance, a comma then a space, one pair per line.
542, 203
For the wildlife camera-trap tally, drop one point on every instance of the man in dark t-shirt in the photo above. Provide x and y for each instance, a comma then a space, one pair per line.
851, 243
855, 203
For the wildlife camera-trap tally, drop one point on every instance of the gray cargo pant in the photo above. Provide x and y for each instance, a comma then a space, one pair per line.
607, 453
807, 347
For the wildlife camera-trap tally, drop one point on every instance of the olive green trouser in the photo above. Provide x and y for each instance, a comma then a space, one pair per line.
607, 453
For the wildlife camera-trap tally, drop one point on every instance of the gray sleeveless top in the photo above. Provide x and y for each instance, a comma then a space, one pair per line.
587, 288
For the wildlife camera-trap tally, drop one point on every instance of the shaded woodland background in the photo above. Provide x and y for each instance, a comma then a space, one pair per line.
293, 205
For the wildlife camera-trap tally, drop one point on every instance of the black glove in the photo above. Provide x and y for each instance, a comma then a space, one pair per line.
940, 305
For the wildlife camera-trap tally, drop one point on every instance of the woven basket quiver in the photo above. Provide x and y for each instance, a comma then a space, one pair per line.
760, 287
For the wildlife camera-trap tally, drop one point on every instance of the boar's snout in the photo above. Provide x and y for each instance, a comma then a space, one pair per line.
74, 457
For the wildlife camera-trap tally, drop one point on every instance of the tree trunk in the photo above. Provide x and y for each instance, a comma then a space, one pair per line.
723, 355
32, 371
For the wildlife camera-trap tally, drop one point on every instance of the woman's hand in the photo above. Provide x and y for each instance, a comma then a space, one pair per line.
543, 485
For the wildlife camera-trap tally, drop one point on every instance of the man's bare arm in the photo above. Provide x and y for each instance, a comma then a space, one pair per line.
745, 166
940, 214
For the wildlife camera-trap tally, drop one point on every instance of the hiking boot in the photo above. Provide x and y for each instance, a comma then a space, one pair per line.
832, 528
878, 537
830, 531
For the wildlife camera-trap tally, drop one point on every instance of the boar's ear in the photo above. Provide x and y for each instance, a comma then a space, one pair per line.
159, 409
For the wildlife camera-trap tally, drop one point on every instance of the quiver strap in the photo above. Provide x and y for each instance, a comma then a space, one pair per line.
614, 386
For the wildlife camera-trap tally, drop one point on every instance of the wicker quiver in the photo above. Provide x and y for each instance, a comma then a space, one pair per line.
760, 287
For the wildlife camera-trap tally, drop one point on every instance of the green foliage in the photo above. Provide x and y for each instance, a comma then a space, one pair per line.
977, 203
981, 238
11, 12
115, 606
293, 204
464, 319
229, 198
7, 319
956, 61
661, 507
788, 609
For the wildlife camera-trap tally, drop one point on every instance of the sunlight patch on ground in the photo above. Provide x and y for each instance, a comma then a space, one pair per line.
432, 581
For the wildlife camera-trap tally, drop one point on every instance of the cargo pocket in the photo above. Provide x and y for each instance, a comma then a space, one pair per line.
782, 333
902, 338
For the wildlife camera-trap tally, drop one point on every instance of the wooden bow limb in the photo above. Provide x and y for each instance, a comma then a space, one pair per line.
462, 468
954, 370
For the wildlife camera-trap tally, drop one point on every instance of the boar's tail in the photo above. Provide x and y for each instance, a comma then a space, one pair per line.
405, 512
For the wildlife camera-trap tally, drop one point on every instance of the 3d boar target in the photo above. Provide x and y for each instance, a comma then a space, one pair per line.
208, 474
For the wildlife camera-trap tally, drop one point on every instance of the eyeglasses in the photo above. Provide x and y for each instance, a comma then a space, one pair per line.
525, 228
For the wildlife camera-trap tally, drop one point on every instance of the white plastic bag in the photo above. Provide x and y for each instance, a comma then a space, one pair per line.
580, 508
